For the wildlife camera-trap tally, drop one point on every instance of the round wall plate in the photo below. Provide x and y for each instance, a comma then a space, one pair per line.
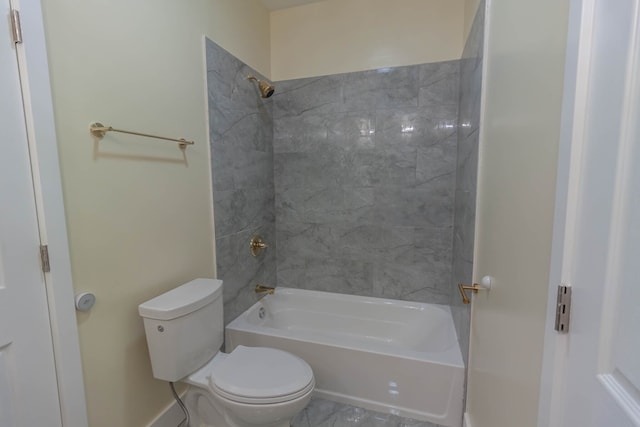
85, 301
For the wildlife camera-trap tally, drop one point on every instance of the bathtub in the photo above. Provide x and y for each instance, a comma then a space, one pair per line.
390, 356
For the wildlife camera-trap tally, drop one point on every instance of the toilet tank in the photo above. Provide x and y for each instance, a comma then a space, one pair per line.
184, 328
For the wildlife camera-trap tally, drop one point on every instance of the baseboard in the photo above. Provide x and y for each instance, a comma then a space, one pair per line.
466, 422
171, 416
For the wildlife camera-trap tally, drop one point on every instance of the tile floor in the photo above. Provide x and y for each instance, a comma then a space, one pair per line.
324, 413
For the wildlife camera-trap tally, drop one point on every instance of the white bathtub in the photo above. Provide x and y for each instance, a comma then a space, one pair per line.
390, 356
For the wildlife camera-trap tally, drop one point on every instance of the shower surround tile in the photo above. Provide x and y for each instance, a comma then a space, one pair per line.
439, 83
362, 183
314, 95
385, 88
241, 138
466, 173
365, 169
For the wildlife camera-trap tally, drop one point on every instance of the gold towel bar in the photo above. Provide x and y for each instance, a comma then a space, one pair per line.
99, 130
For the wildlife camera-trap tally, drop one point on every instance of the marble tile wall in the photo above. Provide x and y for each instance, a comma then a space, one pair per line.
371, 177
375, 182
241, 138
466, 173
365, 168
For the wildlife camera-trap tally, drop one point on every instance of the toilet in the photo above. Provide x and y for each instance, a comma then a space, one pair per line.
249, 387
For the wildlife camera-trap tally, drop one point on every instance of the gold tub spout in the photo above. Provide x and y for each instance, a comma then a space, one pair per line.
261, 289
475, 288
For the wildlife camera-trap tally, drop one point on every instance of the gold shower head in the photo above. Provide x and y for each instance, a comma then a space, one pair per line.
266, 89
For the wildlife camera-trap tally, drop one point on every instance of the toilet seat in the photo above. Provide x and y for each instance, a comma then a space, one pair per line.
258, 375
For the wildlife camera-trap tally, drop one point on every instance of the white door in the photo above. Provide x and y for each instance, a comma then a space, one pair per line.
28, 387
594, 379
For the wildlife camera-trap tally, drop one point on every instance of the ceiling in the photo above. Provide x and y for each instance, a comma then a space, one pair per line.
282, 4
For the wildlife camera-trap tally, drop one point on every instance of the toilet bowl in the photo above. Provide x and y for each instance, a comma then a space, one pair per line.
249, 387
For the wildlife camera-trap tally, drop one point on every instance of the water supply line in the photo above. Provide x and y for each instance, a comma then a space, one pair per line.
186, 420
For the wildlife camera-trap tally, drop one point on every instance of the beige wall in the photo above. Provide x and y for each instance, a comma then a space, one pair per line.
516, 189
139, 213
337, 36
470, 8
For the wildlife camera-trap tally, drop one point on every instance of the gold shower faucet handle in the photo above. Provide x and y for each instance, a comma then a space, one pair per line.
257, 245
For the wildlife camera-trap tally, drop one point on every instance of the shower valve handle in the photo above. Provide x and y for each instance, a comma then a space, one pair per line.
257, 245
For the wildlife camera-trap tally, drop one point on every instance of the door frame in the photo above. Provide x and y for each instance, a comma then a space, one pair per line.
569, 159
570, 166
41, 135
573, 122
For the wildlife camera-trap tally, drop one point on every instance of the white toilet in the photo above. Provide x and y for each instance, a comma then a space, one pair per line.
249, 387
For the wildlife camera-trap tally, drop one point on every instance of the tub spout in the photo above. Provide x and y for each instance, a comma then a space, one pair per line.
261, 289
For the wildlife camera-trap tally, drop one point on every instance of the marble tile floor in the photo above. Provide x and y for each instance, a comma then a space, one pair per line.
324, 413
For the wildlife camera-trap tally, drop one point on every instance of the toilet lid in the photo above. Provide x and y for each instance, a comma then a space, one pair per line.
261, 375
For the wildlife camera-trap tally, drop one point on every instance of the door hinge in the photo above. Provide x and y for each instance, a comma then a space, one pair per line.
563, 308
44, 257
16, 28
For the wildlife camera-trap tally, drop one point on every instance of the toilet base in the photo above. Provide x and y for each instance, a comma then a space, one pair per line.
207, 410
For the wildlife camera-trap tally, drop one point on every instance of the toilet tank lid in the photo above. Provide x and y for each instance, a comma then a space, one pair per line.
182, 300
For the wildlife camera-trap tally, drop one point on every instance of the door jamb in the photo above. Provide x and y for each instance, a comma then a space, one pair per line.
570, 160
39, 117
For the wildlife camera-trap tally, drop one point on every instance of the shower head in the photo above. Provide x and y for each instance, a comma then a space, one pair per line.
266, 89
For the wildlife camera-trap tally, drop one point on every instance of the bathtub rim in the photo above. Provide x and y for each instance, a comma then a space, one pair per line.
351, 297
451, 357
